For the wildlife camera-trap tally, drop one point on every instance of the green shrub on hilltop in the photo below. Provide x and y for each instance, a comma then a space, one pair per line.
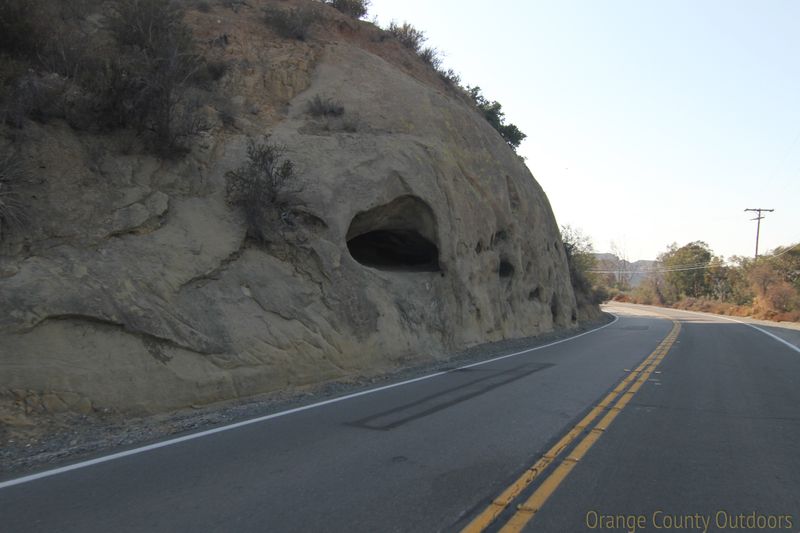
493, 113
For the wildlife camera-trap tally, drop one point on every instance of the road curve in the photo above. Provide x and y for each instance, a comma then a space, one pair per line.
713, 425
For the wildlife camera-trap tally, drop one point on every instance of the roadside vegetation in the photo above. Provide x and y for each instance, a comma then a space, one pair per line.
581, 261
693, 277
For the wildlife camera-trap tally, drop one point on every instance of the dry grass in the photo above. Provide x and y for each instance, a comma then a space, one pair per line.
706, 305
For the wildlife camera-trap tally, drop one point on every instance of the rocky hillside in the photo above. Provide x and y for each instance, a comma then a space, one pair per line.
382, 220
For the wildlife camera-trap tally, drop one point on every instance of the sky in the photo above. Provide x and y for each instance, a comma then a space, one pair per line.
648, 122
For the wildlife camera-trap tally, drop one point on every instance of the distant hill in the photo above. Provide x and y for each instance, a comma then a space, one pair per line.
636, 270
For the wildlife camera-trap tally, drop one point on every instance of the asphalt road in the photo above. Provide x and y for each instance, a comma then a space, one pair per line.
711, 423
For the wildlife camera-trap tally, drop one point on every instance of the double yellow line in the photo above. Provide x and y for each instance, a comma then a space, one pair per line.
525, 511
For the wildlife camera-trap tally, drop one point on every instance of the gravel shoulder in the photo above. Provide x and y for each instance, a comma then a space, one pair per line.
56, 440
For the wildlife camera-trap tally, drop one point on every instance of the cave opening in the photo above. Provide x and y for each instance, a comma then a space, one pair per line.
395, 249
399, 236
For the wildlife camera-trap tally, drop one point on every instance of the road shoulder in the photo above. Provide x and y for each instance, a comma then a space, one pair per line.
64, 439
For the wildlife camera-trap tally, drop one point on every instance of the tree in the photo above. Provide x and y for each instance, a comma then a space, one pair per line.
581, 261
762, 276
786, 260
685, 268
718, 279
738, 280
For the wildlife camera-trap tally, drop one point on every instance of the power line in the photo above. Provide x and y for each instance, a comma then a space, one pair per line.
789, 249
654, 271
682, 268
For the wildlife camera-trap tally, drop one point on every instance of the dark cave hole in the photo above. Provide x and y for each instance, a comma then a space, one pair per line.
554, 308
536, 294
506, 269
399, 236
395, 249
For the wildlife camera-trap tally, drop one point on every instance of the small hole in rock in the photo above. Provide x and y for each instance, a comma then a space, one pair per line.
554, 308
535, 294
506, 269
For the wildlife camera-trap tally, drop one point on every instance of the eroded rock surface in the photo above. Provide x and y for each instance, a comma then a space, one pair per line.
411, 232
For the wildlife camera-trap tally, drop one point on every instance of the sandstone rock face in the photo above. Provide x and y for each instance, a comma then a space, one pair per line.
410, 230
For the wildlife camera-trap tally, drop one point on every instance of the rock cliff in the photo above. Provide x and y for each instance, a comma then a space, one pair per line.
410, 229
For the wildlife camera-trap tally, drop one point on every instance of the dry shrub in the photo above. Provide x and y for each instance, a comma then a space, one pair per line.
407, 35
147, 85
782, 297
18, 31
353, 8
321, 107
43, 53
431, 56
256, 185
12, 212
450, 77
294, 23
135, 75
791, 316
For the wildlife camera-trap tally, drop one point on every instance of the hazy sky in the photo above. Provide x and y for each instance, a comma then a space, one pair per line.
648, 122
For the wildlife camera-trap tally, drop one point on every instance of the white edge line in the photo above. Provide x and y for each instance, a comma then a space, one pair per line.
765, 332
170, 442
723, 317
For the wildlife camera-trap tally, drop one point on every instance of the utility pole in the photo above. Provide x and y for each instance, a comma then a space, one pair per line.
759, 218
